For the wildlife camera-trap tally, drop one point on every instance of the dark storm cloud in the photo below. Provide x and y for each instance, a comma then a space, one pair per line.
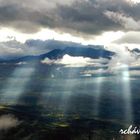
85, 17
22, 18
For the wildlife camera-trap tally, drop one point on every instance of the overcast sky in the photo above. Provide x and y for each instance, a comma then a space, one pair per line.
105, 22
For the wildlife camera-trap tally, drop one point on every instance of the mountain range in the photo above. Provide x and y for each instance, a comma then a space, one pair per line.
59, 53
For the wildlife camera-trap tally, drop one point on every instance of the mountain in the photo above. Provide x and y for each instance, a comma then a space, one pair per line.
72, 51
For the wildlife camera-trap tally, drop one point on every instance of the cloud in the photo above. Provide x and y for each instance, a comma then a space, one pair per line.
126, 21
129, 37
8, 121
14, 48
80, 17
52, 44
73, 61
36, 47
124, 59
11, 49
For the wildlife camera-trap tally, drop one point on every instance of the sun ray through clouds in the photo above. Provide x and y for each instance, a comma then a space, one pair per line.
98, 91
16, 84
59, 88
126, 90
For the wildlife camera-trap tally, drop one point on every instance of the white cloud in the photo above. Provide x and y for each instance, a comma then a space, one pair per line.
48, 61
8, 121
118, 64
14, 48
11, 48
130, 38
72, 61
122, 60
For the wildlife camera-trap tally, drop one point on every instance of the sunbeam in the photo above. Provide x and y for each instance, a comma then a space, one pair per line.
58, 91
126, 90
98, 91
16, 84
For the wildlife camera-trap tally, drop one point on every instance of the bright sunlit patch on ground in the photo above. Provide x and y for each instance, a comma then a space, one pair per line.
94, 72
16, 84
125, 75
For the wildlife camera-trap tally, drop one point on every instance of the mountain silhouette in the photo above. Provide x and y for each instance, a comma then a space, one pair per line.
59, 53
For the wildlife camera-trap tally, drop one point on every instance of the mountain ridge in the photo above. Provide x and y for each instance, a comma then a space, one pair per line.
93, 53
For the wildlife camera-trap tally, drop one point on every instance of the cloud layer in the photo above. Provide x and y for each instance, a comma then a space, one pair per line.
35, 47
83, 17
73, 61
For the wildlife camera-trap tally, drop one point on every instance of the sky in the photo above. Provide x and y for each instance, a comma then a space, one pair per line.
111, 23
84, 21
